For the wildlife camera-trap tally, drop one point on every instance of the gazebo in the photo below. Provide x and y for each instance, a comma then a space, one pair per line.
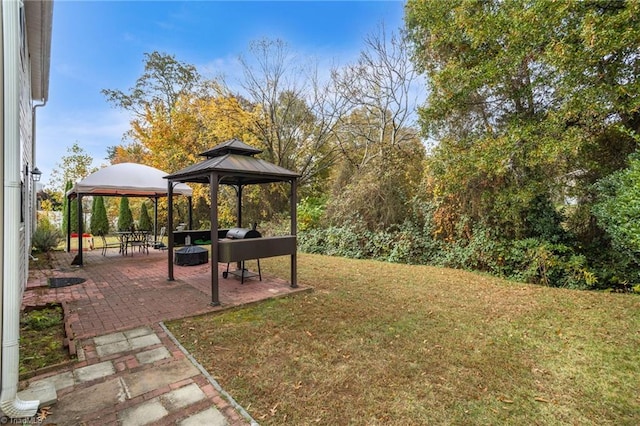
121, 180
233, 163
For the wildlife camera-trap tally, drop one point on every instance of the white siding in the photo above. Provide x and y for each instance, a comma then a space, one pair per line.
26, 155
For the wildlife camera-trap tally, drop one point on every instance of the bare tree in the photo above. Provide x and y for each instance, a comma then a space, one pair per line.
295, 120
377, 97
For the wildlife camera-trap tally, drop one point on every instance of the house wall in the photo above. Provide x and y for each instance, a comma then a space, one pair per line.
26, 155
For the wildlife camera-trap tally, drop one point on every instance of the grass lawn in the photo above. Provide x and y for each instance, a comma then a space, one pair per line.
390, 344
41, 339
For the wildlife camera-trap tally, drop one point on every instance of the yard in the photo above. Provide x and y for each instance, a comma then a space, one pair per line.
380, 343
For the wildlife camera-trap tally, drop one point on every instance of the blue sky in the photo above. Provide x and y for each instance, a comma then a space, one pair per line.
101, 44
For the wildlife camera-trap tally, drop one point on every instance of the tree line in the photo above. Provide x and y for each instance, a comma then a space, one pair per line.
522, 161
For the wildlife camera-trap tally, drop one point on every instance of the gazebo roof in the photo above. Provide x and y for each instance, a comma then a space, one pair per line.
233, 160
232, 146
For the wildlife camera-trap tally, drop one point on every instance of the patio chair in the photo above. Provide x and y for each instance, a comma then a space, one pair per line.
106, 245
139, 239
159, 243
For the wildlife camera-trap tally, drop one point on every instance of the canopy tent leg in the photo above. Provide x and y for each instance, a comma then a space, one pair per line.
78, 259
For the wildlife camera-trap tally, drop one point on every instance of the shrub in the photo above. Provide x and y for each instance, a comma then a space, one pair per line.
144, 224
125, 218
46, 237
310, 212
99, 222
618, 208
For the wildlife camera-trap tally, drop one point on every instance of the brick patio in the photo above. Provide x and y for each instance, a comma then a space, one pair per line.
125, 292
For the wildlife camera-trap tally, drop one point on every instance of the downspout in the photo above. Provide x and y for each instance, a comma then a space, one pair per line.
10, 404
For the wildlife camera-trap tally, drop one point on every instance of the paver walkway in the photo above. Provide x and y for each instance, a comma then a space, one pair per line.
129, 370
134, 378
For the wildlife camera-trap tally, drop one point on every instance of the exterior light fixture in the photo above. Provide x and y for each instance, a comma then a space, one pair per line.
36, 174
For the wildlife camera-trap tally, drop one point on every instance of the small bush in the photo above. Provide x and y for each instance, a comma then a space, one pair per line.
145, 223
46, 236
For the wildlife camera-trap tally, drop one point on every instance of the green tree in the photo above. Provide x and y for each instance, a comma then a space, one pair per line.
65, 207
164, 81
144, 223
618, 209
73, 217
529, 100
74, 166
99, 221
125, 218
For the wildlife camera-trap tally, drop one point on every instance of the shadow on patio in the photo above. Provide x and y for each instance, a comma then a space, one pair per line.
121, 292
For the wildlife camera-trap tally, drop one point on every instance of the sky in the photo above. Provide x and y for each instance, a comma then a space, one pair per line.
101, 45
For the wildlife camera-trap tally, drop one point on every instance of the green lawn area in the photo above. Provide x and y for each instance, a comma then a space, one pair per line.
390, 344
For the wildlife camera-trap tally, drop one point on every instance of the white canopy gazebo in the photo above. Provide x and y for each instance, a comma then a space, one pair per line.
122, 180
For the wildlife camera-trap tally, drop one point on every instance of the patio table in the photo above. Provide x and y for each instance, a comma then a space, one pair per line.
133, 239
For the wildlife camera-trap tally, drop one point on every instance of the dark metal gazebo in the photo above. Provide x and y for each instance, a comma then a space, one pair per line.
233, 163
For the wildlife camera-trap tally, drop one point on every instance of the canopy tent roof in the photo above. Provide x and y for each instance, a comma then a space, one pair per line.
127, 180
233, 161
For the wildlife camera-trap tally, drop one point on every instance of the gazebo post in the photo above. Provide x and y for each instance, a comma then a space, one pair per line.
294, 227
170, 230
213, 184
190, 200
239, 218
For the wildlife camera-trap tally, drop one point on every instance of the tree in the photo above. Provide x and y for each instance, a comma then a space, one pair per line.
292, 110
65, 208
177, 115
164, 81
376, 99
74, 166
381, 154
618, 209
528, 101
125, 218
73, 217
144, 223
99, 222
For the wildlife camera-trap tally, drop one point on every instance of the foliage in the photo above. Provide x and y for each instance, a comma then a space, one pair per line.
99, 222
46, 237
379, 194
618, 209
291, 121
74, 166
145, 223
41, 339
73, 216
164, 81
201, 214
530, 105
65, 206
310, 212
51, 200
125, 218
